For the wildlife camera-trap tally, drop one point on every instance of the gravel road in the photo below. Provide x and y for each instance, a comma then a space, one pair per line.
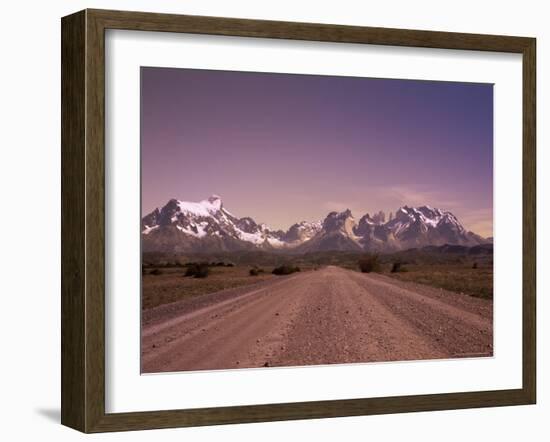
328, 316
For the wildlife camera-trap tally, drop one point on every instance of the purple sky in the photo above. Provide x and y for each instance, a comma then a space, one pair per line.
284, 148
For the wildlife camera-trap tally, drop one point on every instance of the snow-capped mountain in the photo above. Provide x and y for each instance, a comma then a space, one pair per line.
207, 226
415, 227
301, 232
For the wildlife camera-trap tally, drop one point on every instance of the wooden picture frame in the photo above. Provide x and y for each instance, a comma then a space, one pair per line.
83, 220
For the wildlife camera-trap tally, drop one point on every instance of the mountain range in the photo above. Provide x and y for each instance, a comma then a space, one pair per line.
208, 227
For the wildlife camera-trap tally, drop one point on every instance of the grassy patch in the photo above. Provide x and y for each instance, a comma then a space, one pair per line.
171, 285
460, 278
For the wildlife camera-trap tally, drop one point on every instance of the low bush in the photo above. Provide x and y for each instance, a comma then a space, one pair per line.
474, 265
398, 267
197, 270
202, 271
285, 270
255, 271
370, 263
156, 272
191, 269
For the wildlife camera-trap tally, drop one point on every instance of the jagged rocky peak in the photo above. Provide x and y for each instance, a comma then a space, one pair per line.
248, 225
403, 213
168, 212
365, 225
302, 231
427, 211
430, 212
152, 218
366, 219
339, 221
335, 219
426, 215
379, 218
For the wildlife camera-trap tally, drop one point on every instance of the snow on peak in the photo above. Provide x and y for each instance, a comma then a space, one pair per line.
148, 229
215, 201
309, 224
427, 215
203, 208
196, 230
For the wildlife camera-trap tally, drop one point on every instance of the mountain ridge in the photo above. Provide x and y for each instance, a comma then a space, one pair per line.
207, 226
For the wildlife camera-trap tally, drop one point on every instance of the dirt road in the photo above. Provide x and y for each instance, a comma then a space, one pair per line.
327, 316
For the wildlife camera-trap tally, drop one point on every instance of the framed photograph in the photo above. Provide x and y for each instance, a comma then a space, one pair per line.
269, 220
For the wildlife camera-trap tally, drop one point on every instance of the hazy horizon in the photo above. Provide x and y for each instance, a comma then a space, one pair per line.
284, 148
